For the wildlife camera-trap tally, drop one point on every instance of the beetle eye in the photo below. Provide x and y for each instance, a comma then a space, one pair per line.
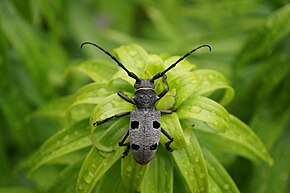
135, 147
153, 147
156, 124
134, 124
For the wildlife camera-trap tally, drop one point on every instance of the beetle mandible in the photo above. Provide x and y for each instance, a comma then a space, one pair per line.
145, 126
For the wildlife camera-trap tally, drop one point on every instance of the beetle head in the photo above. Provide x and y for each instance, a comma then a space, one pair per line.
144, 83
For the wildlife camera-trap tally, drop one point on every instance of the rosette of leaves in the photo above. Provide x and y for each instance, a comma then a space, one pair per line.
200, 123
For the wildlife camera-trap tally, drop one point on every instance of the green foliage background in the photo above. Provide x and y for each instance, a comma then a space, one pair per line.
39, 41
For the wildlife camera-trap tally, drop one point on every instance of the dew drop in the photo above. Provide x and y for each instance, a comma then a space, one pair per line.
132, 52
129, 168
196, 159
80, 187
195, 109
66, 137
226, 186
201, 175
89, 177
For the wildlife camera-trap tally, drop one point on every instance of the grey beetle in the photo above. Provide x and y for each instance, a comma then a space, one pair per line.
145, 126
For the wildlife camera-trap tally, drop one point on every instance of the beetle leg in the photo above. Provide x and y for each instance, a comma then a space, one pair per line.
125, 97
107, 119
121, 143
171, 139
164, 77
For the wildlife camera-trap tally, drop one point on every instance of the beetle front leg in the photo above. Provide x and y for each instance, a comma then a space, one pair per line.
121, 143
107, 119
171, 139
164, 77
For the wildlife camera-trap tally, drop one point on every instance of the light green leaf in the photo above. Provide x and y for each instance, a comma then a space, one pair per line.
185, 84
206, 110
211, 81
238, 138
191, 164
64, 182
94, 167
55, 108
171, 124
112, 181
132, 172
97, 70
133, 57
65, 141
107, 135
220, 181
108, 107
275, 29
159, 176
90, 94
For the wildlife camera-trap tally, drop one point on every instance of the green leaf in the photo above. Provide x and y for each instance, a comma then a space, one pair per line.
107, 135
84, 101
159, 176
211, 81
65, 181
112, 181
55, 108
238, 139
270, 34
206, 110
219, 178
185, 84
191, 164
171, 124
133, 57
132, 172
108, 107
97, 70
94, 167
65, 141
275, 178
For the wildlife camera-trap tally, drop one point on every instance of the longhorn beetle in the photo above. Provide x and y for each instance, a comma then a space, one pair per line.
145, 124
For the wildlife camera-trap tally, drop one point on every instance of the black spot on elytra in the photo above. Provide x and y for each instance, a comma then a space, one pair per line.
156, 124
153, 147
135, 147
134, 124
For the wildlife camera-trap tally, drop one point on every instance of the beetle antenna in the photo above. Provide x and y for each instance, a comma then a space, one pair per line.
160, 74
131, 74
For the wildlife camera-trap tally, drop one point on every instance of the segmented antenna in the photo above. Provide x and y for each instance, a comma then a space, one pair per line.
131, 74
160, 74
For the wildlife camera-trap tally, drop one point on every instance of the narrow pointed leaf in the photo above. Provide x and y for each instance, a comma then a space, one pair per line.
239, 139
97, 70
94, 167
132, 172
65, 141
112, 181
107, 135
220, 179
211, 81
206, 110
171, 124
108, 107
191, 164
133, 57
159, 176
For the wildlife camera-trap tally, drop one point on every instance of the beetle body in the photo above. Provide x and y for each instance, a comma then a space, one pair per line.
144, 134
145, 126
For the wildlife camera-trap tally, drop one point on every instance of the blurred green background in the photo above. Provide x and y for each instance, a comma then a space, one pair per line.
40, 39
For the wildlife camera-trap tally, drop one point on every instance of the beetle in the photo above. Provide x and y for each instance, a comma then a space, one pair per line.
145, 126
